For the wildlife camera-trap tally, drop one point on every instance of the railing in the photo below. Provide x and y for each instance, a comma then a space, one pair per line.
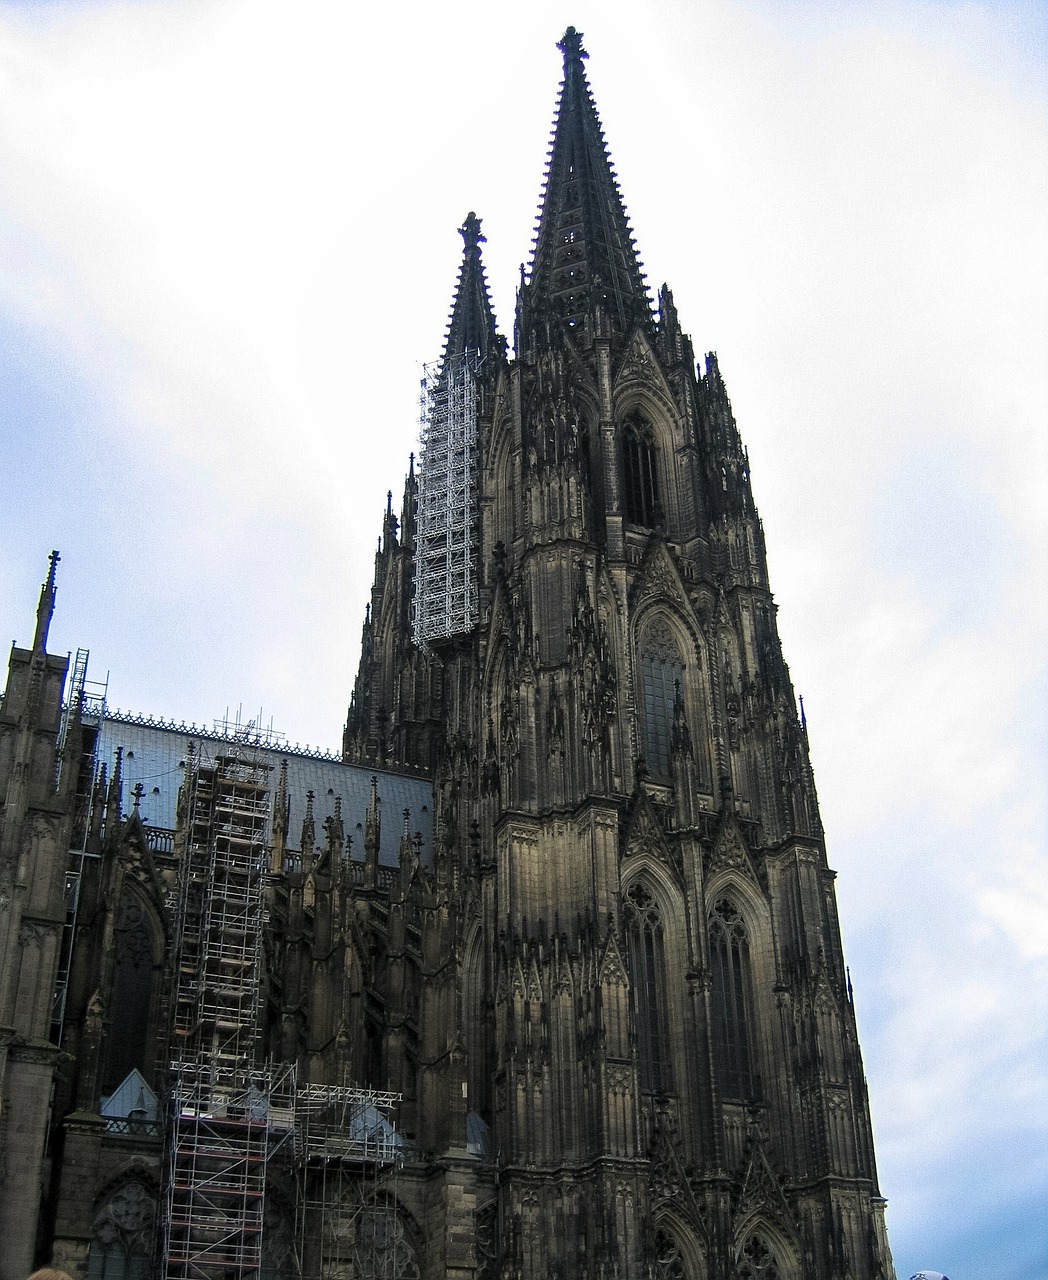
133, 1127
195, 730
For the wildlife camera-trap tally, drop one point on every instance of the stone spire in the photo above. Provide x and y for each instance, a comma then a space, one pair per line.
46, 608
472, 325
584, 262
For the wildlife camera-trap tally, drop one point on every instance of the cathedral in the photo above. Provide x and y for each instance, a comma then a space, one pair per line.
541, 976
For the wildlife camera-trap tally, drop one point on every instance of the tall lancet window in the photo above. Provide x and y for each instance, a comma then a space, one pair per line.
647, 962
662, 669
641, 472
732, 1002
130, 1033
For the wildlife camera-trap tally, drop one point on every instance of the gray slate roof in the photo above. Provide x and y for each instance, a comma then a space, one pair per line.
155, 756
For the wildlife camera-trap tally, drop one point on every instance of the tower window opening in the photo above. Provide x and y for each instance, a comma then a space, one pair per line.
647, 963
732, 1002
640, 459
662, 670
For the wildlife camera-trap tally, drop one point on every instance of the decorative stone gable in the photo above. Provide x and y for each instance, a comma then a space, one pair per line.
730, 853
659, 581
640, 365
646, 837
760, 1193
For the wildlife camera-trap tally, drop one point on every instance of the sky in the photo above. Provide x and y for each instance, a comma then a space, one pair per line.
228, 242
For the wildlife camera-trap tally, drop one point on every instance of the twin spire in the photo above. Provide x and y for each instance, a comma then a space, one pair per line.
584, 261
472, 326
584, 255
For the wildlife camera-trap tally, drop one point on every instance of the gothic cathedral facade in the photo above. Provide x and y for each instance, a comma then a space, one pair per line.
608, 989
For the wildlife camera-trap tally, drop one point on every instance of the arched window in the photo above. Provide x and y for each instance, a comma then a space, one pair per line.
383, 1248
641, 472
122, 1244
732, 1002
662, 671
669, 1264
647, 963
130, 1033
757, 1261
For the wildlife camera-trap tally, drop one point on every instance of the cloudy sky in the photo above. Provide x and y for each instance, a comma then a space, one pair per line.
227, 241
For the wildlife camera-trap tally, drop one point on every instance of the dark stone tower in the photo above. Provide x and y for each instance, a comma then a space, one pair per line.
34, 840
636, 1049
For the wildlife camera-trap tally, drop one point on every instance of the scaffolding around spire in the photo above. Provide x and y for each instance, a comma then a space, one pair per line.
446, 594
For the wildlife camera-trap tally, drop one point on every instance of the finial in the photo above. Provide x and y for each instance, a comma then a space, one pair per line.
138, 791
571, 46
472, 236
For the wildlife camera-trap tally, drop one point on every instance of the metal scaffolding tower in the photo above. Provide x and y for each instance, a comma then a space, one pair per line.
222, 1132
346, 1156
446, 572
232, 1113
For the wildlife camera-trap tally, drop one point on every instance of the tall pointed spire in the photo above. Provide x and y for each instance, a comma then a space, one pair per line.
472, 326
46, 608
584, 257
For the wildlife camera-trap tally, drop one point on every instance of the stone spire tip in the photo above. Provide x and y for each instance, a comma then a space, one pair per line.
570, 46
472, 236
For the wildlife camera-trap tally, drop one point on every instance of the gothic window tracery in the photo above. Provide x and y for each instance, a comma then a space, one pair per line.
758, 1262
641, 472
383, 1248
732, 1001
122, 1244
662, 669
647, 960
669, 1264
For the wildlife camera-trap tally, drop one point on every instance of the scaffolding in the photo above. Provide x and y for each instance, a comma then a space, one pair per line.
86, 698
446, 599
231, 1113
223, 1127
347, 1152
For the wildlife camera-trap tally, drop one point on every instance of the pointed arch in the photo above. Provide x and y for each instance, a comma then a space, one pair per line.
649, 432
662, 678
134, 996
121, 1246
678, 1255
734, 1015
501, 478
646, 951
387, 1242
652, 910
642, 483
763, 1251
476, 1024
671, 684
